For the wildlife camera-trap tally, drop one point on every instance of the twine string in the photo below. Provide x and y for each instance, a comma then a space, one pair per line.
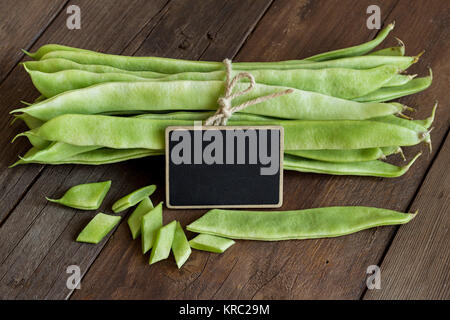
225, 110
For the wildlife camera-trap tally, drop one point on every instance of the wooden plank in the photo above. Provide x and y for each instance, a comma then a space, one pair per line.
39, 237
100, 23
417, 263
22, 22
328, 268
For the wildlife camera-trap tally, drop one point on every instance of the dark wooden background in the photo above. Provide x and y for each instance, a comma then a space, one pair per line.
37, 237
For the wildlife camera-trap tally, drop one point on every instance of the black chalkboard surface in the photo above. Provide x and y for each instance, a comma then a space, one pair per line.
224, 167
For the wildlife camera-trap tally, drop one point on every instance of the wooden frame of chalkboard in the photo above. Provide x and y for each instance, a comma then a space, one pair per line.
278, 204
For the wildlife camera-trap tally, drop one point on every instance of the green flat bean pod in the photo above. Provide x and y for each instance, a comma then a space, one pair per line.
106, 156
202, 115
415, 125
349, 155
180, 246
52, 47
298, 224
391, 51
126, 133
38, 143
34, 139
108, 134
410, 124
151, 222
374, 168
163, 242
356, 50
202, 95
133, 198
207, 242
391, 93
399, 80
94, 157
135, 219
55, 151
87, 196
171, 66
354, 155
59, 64
387, 151
32, 123
336, 82
52, 84
98, 228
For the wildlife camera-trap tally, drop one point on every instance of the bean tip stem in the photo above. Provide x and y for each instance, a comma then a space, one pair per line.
430, 147
413, 215
27, 53
15, 164
400, 151
400, 42
430, 72
13, 120
17, 136
424, 135
417, 57
404, 116
407, 108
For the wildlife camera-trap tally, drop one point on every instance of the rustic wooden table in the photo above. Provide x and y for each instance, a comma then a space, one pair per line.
37, 237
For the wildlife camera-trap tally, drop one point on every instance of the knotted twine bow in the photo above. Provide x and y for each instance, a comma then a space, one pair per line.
225, 111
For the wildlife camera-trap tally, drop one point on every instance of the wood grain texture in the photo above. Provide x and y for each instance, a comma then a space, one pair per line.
33, 260
21, 23
298, 29
326, 268
37, 238
418, 261
25, 228
291, 269
100, 25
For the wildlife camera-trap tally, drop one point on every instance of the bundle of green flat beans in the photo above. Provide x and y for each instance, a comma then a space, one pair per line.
98, 108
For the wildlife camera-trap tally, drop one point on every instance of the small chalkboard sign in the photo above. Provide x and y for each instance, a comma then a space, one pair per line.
224, 167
